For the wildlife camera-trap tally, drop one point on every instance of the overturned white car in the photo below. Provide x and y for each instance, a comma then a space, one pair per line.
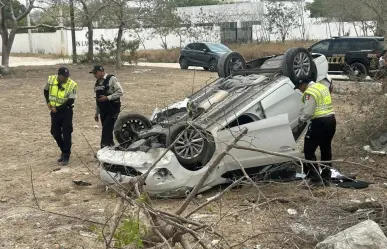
258, 95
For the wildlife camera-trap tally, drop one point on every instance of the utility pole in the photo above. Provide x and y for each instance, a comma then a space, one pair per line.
29, 30
74, 44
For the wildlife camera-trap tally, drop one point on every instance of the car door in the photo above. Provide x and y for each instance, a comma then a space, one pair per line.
337, 53
202, 54
283, 99
270, 134
189, 53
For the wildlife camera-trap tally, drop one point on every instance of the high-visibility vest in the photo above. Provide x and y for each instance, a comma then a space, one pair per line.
58, 96
323, 99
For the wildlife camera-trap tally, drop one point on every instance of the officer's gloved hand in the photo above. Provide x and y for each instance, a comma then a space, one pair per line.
300, 122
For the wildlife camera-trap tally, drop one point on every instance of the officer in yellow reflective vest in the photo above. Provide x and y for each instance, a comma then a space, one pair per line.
318, 109
60, 93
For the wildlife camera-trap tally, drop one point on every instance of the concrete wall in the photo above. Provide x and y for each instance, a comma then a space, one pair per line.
47, 43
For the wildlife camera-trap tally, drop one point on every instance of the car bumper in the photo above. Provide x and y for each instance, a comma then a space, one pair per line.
167, 179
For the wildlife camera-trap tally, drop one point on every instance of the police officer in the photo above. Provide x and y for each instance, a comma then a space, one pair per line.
60, 93
108, 99
318, 109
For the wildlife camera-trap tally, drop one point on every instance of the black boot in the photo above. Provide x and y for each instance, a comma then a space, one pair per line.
66, 159
60, 159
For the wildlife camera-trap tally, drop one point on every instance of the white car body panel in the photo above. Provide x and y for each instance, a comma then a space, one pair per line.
273, 134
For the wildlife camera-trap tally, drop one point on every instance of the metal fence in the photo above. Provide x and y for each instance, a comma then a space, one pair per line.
238, 35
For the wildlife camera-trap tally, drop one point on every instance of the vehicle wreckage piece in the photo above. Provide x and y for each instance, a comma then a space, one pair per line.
259, 96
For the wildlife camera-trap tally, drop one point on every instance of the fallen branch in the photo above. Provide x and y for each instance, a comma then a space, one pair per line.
211, 168
214, 198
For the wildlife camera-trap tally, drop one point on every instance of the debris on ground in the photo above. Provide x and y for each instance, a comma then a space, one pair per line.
366, 234
139, 71
81, 183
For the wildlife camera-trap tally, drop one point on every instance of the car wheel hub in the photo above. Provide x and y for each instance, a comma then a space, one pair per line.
301, 64
190, 144
131, 127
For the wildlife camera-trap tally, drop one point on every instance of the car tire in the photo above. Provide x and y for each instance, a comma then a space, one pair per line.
213, 65
123, 128
357, 72
298, 64
194, 149
183, 63
229, 62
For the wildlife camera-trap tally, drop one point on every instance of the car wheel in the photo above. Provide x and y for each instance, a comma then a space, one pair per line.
127, 127
357, 72
230, 62
298, 64
194, 146
213, 65
183, 63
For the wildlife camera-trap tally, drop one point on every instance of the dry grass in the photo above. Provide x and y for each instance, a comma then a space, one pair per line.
46, 56
27, 142
249, 51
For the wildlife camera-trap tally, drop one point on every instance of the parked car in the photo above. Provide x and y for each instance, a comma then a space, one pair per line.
357, 57
259, 96
202, 54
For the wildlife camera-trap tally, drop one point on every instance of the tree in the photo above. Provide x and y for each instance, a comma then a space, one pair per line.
11, 22
164, 20
127, 14
281, 17
91, 10
361, 11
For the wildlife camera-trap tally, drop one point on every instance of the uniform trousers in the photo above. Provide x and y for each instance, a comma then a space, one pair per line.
62, 128
319, 134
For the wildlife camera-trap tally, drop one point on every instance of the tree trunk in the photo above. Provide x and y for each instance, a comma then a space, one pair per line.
4, 56
90, 53
73, 40
119, 46
7, 42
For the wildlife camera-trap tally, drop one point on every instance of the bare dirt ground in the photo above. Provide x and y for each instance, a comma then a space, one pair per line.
258, 217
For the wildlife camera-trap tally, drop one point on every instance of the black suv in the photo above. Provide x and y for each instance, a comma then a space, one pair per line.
353, 56
202, 54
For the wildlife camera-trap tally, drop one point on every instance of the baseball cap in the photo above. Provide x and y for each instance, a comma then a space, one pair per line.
302, 80
64, 71
97, 68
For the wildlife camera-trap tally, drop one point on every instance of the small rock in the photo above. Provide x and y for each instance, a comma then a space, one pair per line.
385, 185
38, 225
3, 200
199, 197
214, 242
366, 234
257, 247
292, 211
96, 126
88, 234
